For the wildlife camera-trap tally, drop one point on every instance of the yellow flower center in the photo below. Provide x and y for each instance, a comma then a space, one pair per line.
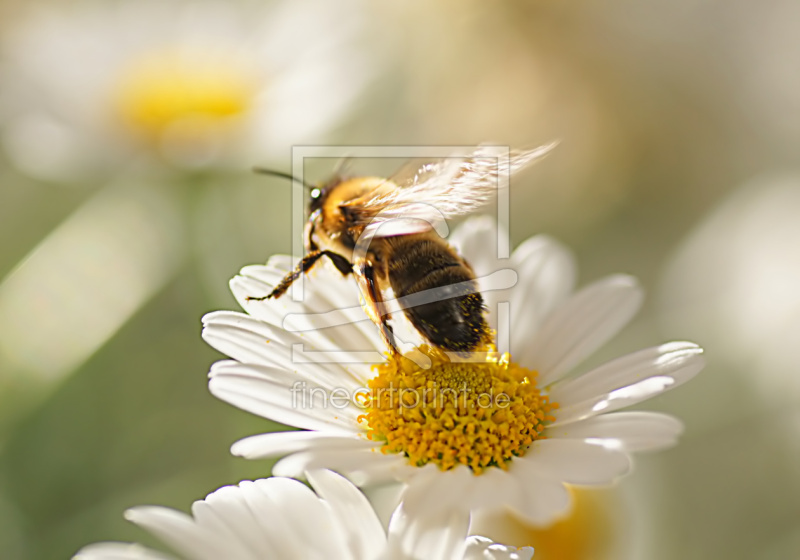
479, 414
161, 89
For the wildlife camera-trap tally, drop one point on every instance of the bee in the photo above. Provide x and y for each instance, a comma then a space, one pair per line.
386, 232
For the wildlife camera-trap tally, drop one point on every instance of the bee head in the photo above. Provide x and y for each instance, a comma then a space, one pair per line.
317, 195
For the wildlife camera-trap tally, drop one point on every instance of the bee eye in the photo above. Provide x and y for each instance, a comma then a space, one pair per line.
315, 193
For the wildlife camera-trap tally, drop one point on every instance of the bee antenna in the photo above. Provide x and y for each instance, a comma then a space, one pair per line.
274, 173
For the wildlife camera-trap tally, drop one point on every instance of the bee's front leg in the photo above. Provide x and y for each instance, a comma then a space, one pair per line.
305, 264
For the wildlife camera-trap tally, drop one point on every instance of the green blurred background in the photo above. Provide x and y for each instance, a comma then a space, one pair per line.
128, 132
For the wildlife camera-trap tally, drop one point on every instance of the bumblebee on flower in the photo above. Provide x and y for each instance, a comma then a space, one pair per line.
553, 430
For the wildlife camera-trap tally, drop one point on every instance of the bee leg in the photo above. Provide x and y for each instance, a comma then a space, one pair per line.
375, 308
307, 262
342, 264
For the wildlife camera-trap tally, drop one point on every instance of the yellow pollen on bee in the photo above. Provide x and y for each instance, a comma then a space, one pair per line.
160, 89
479, 414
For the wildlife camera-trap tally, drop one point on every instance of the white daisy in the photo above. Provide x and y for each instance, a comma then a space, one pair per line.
93, 85
479, 456
282, 518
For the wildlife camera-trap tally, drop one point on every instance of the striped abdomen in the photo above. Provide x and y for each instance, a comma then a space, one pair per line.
438, 293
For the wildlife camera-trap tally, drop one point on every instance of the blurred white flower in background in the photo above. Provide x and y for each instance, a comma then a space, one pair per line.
281, 518
598, 527
129, 99
92, 85
110, 256
735, 282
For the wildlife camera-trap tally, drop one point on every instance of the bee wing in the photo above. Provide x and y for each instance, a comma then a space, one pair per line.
422, 196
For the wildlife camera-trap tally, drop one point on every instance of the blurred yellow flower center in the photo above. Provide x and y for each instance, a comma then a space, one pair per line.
163, 88
478, 414
592, 530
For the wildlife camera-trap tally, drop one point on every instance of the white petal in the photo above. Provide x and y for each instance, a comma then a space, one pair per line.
624, 431
181, 533
495, 289
495, 488
326, 296
359, 465
547, 274
265, 499
311, 521
658, 360
277, 444
312, 312
321, 286
539, 500
278, 395
433, 491
476, 241
481, 548
588, 320
626, 381
282, 264
358, 522
272, 518
118, 551
544, 270
225, 513
429, 536
380, 469
249, 340
576, 462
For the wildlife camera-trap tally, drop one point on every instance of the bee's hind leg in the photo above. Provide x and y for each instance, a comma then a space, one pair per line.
305, 264
374, 305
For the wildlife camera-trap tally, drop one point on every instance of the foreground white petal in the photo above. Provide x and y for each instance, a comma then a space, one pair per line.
436, 536
119, 551
185, 536
282, 518
350, 507
481, 548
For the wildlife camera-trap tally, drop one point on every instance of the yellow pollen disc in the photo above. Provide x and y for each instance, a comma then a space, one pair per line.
161, 89
478, 414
